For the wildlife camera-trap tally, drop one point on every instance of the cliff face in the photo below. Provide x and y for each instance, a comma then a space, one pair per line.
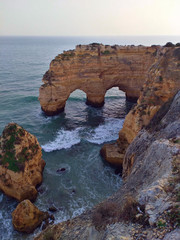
161, 83
152, 186
21, 163
94, 69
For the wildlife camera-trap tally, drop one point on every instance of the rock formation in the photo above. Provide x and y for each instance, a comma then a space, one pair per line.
21, 163
147, 205
161, 83
94, 69
27, 217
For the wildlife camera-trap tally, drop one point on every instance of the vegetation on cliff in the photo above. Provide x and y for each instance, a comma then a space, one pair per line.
21, 163
11, 138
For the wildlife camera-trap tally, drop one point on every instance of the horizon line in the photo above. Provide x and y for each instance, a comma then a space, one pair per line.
89, 35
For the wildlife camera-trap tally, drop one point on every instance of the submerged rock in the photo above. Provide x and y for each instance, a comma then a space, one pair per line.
21, 163
61, 170
52, 209
27, 217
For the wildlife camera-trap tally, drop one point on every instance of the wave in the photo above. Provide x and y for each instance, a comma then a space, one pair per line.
103, 133
64, 139
106, 132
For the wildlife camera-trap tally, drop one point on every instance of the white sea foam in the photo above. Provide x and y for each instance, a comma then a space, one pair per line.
103, 133
106, 132
64, 139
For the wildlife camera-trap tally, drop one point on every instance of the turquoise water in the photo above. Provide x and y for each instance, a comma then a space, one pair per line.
71, 140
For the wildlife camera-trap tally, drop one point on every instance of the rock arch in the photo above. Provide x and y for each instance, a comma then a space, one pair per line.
94, 69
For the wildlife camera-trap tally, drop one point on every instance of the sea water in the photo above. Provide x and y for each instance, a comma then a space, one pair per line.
72, 140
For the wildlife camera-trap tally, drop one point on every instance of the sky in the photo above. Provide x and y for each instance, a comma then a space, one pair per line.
89, 17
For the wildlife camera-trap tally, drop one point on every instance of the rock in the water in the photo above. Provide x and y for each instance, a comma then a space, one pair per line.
60, 170
52, 209
21, 163
27, 217
95, 68
112, 155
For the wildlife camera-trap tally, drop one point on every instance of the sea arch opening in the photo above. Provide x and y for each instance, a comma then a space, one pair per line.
115, 92
77, 95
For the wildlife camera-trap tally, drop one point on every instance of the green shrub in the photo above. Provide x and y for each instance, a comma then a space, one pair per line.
161, 224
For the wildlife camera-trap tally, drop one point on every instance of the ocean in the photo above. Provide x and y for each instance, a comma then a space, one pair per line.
72, 140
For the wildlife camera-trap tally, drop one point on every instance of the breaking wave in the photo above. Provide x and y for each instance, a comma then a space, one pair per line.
103, 133
64, 139
106, 132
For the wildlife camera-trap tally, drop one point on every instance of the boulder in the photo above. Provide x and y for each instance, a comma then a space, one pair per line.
27, 217
112, 154
21, 163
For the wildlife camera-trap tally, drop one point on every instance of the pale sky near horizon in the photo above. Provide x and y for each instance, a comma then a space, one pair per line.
89, 17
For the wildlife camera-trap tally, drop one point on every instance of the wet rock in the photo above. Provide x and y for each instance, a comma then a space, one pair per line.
52, 217
41, 189
61, 170
118, 171
52, 209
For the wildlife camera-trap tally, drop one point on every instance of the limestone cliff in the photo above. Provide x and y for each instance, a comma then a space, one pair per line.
94, 69
147, 205
161, 83
21, 163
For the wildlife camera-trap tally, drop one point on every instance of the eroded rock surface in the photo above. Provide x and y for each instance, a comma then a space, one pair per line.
21, 163
27, 217
94, 69
161, 83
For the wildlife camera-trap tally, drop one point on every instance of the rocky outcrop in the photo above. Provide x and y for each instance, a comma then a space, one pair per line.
147, 205
21, 163
162, 82
94, 69
27, 217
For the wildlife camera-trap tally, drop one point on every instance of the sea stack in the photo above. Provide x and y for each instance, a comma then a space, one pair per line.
21, 163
